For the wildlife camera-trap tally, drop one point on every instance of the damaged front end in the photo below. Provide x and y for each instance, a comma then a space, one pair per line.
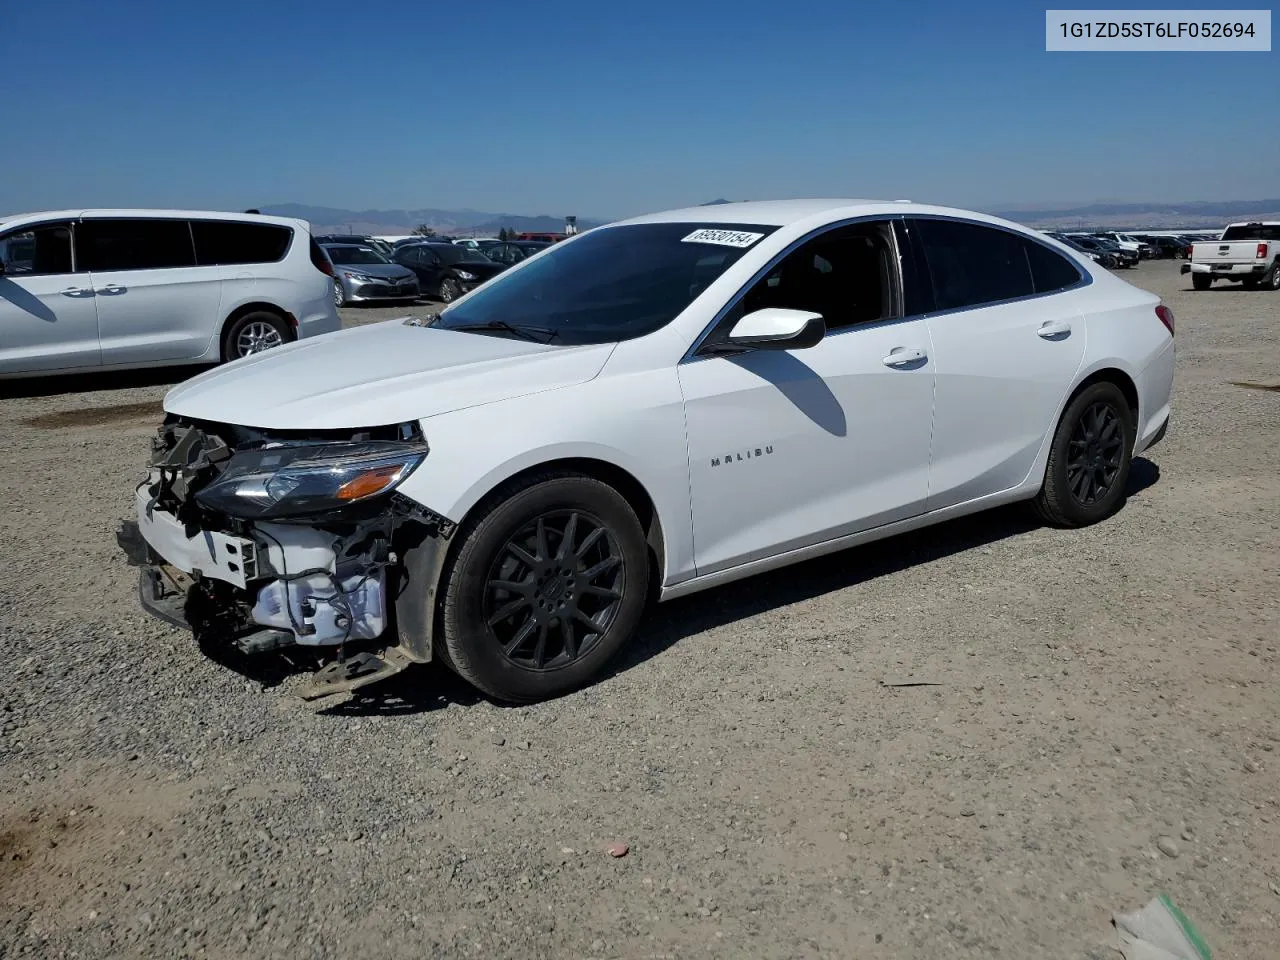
258, 540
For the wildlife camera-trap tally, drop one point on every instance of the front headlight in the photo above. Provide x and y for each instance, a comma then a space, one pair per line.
359, 277
285, 481
463, 275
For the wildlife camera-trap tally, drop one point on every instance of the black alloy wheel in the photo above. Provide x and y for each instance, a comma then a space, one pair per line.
1095, 454
554, 589
1089, 458
545, 584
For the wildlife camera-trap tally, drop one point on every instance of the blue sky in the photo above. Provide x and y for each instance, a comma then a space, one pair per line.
609, 109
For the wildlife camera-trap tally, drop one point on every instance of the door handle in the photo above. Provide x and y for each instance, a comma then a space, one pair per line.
1054, 328
111, 289
904, 356
76, 292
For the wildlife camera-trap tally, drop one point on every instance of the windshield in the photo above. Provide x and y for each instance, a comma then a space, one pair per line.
611, 284
1253, 231
345, 255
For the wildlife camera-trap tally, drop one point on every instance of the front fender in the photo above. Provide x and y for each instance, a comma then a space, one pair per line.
475, 450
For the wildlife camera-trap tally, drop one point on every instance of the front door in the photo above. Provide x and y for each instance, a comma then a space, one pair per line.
791, 448
48, 317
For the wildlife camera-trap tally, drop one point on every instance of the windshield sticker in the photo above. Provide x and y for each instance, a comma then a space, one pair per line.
724, 238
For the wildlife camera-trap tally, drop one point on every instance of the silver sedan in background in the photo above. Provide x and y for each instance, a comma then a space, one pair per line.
363, 274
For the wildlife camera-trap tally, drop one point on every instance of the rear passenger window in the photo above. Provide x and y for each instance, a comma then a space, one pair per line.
970, 264
1050, 270
106, 245
220, 242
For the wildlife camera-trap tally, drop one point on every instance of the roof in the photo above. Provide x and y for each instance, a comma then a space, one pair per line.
126, 213
776, 213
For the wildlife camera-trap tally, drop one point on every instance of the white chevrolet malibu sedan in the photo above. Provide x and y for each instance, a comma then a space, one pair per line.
645, 410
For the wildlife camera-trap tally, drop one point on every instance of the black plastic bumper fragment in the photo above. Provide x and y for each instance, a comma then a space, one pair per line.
136, 550
159, 600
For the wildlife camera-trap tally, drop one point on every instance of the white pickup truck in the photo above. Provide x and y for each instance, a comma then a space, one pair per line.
1246, 252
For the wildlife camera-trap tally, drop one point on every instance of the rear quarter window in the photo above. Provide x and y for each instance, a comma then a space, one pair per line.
1050, 270
970, 264
226, 242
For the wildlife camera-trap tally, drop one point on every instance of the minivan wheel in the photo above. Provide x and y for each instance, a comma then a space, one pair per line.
448, 290
545, 588
1089, 460
254, 333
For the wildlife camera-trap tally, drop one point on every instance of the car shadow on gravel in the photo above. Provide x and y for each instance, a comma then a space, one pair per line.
427, 687
89, 382
671, 622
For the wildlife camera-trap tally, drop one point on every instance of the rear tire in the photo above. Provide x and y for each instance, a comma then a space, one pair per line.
1201, 281
1089, 460
253, 333
524, 569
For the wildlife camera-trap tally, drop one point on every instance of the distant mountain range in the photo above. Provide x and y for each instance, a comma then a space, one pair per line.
1191, 214
395, 222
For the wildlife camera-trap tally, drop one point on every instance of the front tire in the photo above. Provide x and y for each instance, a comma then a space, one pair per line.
1201, 281
1272, 280
545, 588
339, 294
448, 290
1089, 460
254, 333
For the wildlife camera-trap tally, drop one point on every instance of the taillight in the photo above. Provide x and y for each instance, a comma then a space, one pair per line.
1262, 250
1191, 251
1166, 317
319, 260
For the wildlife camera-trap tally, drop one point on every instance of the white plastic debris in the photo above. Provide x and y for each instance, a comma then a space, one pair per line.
1160, 931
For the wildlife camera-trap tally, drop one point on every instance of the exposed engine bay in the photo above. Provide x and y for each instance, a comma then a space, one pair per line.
260, 540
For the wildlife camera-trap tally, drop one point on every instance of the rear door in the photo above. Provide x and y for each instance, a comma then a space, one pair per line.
1007, 342
154, 303
48, 318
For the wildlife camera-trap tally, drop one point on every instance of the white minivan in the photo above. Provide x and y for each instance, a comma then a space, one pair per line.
86, 290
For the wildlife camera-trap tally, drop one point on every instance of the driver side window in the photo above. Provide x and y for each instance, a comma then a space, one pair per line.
849, 275
44, 250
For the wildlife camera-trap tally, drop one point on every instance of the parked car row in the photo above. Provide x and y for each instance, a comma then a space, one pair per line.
368, 269
1147, 246
1101, 250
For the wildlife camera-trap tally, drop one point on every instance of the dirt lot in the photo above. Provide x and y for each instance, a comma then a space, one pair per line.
1097, 691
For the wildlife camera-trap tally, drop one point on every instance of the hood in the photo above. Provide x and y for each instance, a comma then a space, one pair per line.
378, 374
391, 271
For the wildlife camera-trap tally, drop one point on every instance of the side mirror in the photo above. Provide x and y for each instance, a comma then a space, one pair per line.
778, 328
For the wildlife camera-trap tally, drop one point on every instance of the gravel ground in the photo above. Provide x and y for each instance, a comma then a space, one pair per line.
1103, 727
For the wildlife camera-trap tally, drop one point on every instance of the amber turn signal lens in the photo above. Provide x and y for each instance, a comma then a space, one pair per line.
370, 482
